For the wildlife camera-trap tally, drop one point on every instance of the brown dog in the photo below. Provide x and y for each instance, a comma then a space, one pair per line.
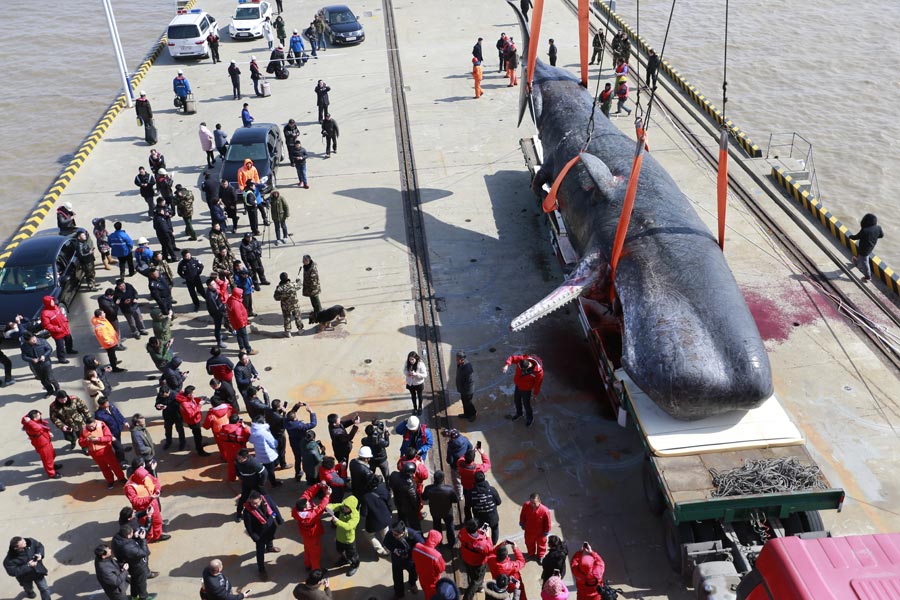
329, 317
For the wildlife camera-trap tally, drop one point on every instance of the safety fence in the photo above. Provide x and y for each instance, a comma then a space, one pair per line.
34, 219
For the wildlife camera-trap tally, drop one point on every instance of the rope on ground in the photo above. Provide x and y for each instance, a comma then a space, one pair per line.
767, 476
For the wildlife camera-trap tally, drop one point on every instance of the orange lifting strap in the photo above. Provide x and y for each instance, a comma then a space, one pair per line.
723, 183
536, 15
583, 31
550, 202
628, 205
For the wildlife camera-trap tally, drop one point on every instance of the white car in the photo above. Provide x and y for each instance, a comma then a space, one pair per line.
187, 33
248, 18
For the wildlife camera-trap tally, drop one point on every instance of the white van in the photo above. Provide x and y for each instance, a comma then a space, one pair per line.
187, 33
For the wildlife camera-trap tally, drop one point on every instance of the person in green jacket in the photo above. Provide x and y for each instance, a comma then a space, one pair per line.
280, 214
159, 353
162, 325
345, 517
312, 454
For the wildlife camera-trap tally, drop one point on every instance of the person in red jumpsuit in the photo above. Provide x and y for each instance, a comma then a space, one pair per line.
535, 519
467, 467
474, 548
528, 380
38, 431
500, 563
429, 563
192, 415
587, 569
98, 440
142, 490
335, 475
231, 438
218, 417
420, 476
308, 515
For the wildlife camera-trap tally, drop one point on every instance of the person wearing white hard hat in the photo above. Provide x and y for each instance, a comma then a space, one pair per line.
65, 219
235, 74
181, 87
415, 435
144, 110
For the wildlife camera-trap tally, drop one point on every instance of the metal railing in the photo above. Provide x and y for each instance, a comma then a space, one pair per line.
798, 148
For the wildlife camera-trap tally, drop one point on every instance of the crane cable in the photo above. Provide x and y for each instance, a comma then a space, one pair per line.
722, 180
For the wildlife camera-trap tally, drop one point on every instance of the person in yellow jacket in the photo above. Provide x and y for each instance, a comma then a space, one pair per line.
108, 338
345, 517
247, 173
477, 75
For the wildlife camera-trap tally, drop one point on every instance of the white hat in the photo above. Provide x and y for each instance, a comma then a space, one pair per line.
412, 423
143, 93
365, 452
295, 32
180, 72
143, 240
163, 172
234, 62
68, 205
252, 58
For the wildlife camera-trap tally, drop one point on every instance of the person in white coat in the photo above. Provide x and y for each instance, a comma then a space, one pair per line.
266, 447
415, 372
267, 33
207, 143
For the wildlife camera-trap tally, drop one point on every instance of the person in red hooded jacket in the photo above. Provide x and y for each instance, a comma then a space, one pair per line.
38, 431
500, 563
587, 569
237, 316
192, 415
429, 563
535, 519
98, 440
528, 380
307, 512
143, 489
57, 325
231, 439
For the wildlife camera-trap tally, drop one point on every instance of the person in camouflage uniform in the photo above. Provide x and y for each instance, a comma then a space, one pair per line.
223, 261
84, 249
162, 325
218, 239
69, 413
184, 204
286, 293
311, 287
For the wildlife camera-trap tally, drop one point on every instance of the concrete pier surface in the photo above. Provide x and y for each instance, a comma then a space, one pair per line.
490, 260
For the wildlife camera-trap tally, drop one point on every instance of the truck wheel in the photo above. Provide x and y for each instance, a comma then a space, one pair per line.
811, 520
652, 494
676, 535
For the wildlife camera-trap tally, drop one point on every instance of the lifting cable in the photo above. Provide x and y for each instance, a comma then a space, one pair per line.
537, 15
584, 26
722, 182
637, 161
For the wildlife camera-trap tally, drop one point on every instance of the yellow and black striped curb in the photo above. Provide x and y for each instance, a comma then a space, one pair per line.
54, 191
752, 150
880, 269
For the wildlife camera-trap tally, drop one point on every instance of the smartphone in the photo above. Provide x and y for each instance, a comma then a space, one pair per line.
478, 445
557, 573
585, 545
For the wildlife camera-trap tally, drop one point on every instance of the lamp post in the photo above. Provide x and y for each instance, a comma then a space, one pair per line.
120, 54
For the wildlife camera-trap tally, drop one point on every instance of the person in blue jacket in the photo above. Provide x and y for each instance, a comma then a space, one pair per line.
297, 47
181, 86
296, 431
121, 246
416, 436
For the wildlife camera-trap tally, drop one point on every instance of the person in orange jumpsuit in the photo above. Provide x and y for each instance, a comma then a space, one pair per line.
528, 379
308, 514
587, 569
500, 563
192, 415
218, 417
477, 75
98, 440
429, 563
107, 337
231, 438
535, 519
247, 173
142, 490
38, 431
421, 475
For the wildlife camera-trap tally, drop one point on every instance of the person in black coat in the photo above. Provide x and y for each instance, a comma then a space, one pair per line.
145, 182
223, 393
330, 132
251, 255
341, 437
112, 576
235, 74
322, 100
171, 412
465, 385
652, 67
441, 498
400, 543
378, 438
485, 500
172, 375
556, 559
867, 236
191, 269
216, 309
217, 586
37, 354
456, 449
128, 301
406, 494
162, 225
253, 477
230, 200
274, 415
129, 546
477, 52
261, 520
161, 292
25, 562
107, 303
375, 514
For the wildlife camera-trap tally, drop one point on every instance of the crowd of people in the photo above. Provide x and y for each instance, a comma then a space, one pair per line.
350, 488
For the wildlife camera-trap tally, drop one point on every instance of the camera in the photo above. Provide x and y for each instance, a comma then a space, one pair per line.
379, 425
141, 531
